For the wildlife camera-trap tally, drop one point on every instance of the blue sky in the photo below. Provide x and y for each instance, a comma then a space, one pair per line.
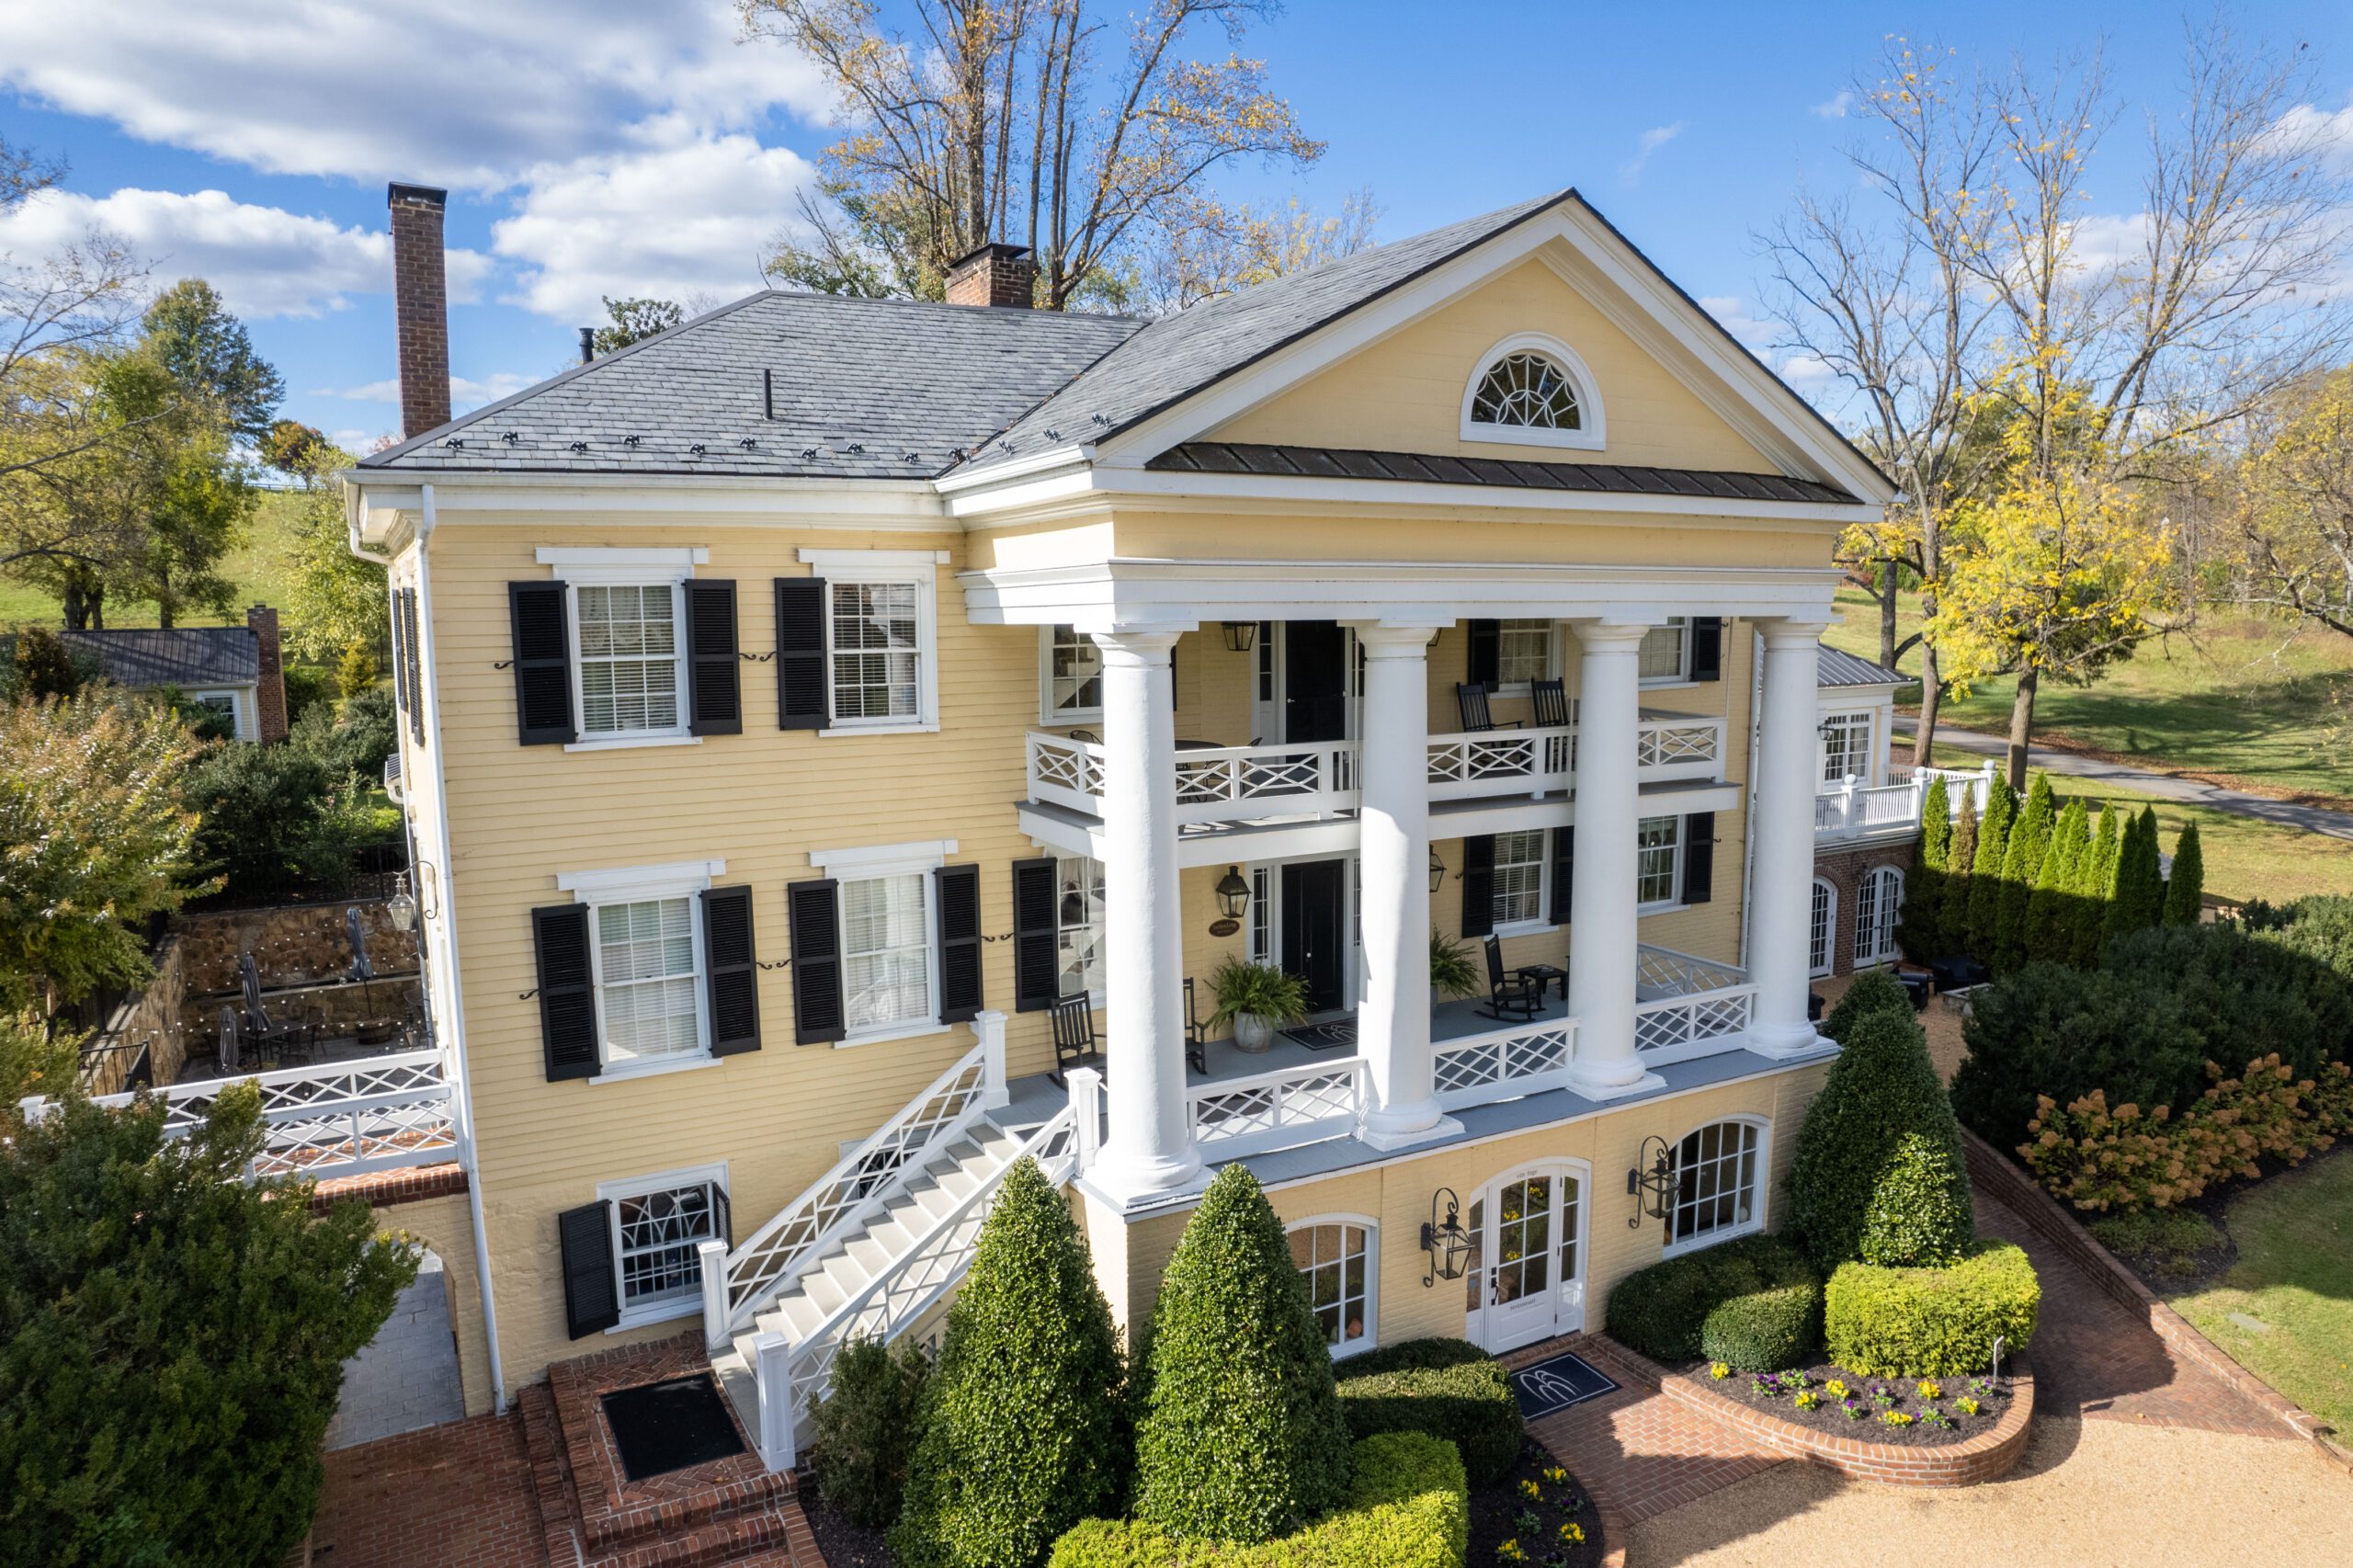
614, 146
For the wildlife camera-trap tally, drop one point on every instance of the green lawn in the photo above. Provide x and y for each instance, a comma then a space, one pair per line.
253, 567
2294, 1279
2244, 702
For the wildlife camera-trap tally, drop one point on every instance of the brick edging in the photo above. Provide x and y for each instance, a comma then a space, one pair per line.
1614, 1528
1997, 1175
381, 1190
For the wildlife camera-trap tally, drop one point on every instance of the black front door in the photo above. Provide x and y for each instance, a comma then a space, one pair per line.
1316, 681
1316, 925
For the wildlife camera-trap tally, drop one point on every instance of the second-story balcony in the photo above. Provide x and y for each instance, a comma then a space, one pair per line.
1853, 809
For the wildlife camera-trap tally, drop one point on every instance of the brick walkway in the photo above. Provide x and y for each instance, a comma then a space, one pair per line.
453, 1496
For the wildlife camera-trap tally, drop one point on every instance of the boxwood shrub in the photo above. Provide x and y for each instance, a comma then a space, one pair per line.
1449, 1388
1663, 1311
1408, 1506
1764, 1331
1932, 1322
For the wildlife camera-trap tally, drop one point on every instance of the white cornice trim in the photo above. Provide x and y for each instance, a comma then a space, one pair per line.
1052, 458
882, 559
618, 555
678, 876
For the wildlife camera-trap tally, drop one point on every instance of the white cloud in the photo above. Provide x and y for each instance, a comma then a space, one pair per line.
692, 217
447, 92
2329, 135
465, 391
1833, 107
1731, 311
265, 261
1657, 136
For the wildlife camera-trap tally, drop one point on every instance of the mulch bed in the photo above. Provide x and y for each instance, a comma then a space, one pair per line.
844, 1545
1521, 1521
1862, 1411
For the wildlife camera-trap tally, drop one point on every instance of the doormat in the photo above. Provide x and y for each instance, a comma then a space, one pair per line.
1333, 1035
1557, 1382
665, 1426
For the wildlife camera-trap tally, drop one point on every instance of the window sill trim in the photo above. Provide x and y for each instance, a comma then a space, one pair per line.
628, 743
668, 1311
1673, 907
921, 727
1526, 929
1702, 1242
657, 1069
896, 1031
1678, 682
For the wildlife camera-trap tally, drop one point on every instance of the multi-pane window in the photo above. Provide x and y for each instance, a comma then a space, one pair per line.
1666, 651
659, 1232
1535, 1238
1715, 1182
1878, 899
1266, 651
647, 985
1523, 650
886, 950
1846, 746
1078, 921
1262, 915
1520, 877
1530, 390
629, 657
1073, 676
1817, 946
1335, 1260
1658, 850
874, 634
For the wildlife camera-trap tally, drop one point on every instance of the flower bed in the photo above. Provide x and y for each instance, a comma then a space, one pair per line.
1914, 1411
1536, 1516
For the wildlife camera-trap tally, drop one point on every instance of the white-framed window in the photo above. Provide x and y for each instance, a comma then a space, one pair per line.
881, 638
224, 703
1078, 926
1658, 861
1879, 899
1718, 1171
1665, 656
1532, 389
886, 951
1824, 922
1265, 932
1846, 746
1070, 676
1523, 861
1339, 1255
625, 613
1523, 652
658, 1224
645, 951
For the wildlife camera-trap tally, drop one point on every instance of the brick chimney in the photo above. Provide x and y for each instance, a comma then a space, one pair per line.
420, 307
269, 692
993, 275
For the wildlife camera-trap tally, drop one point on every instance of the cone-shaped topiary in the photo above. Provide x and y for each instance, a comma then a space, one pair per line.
1882, 1091
2186, 888
2139, 901
2096, 889
1243, 1438
1024, 1428
1924, 890
1873, 990
1919, 1214
1985, 873
2050, 911
2022, 860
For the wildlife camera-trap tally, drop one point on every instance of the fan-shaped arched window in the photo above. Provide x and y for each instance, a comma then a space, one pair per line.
1532, 389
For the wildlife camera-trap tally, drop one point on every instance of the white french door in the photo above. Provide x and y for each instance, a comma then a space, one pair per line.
1527, 1279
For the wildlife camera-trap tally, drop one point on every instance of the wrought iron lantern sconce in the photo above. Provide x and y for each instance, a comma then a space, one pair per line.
1651, 1184
1240, 635
1232, 894
401, 905
1448, 1244
1437, 871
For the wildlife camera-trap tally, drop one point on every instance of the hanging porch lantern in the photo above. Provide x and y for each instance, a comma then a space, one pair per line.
401, 905
1232, 894
1444, 1239
1651, 1184
1437, 871
1240, 635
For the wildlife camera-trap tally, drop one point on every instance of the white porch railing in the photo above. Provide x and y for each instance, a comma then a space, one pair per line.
738, 1287
1234, 783
1280, 1109
1854, 809
338, 1118
1523, 1059
1704, 1001
1495, 762
1672, 746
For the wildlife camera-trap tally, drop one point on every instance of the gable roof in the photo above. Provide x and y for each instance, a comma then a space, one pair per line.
179, 655
1835, 666
1429, 468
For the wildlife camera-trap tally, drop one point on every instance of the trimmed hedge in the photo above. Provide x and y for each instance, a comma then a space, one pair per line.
1447, 1388
1408, 1507
868, 1428
1663, 1311
1932, 1322
1882, 1093
1765, 1330
1873, 990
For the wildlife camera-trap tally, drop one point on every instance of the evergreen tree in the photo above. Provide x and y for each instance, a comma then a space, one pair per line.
1025, 1430
2185, 890
1923, 890
1242, 1437
2022, 860
2096, 889
1952, 908
2137, 901
1985, 871
1882, 1116
2050, 910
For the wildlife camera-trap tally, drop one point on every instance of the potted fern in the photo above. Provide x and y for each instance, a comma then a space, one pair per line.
1452, 972
1255, 999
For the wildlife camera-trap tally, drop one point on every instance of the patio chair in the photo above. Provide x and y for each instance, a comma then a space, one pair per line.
1514, 998
1074, 1046
225, 1050
1551, 698
275, 1039
1471, 704
1197, 1034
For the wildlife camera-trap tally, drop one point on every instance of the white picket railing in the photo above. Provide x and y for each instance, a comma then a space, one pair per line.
1523, 1059
1851, 809
1278, 1110
738, 1286
338, 1119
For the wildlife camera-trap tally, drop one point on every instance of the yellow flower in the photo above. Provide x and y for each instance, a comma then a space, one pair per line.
1967, 1406
1572, 1532
1835, 1388
1718, 1370
1931, 1389
1510, 1552
1530, 1491
1807, 1399
1555, 1474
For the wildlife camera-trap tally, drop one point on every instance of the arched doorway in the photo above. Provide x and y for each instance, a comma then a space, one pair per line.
1527, 1279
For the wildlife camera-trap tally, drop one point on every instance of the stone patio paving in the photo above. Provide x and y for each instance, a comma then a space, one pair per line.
407, 1377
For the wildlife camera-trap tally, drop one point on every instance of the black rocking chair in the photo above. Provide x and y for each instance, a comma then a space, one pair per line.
1471, 704
1551, 698
1197, 1035
1516, 998
1074, 1046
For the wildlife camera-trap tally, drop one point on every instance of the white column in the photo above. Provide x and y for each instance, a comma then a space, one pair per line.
1393, 779
1779, 898
1148, 1147
1603, 894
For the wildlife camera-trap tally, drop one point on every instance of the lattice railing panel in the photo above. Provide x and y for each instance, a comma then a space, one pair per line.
1265, 1108
1665, 745
1683, 1021
1681, 974
1072, 766
1501, 1063
335, 1118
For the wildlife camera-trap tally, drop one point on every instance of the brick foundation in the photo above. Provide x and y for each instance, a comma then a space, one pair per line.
1843, 869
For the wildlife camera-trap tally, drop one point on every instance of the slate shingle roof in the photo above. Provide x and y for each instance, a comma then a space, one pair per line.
1339, 462
183, 657
1835, 668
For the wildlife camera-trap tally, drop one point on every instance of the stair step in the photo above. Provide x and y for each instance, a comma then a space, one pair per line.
733, 1369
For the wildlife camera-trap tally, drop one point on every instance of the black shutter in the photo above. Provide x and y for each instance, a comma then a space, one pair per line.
734, 970
412, 663
1487, 652
567, 999
400, 653
1698, 857
542, 664
815, 908
1707, 647
1478, 885
722, 1217
1565, 856
710, 654
1034, 904
957, 889
802, 699
592, 1299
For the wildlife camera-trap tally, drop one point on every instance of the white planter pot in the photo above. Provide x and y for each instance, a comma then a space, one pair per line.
1253, 1033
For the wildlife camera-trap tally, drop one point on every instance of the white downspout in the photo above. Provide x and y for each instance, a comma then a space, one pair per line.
1748, 803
